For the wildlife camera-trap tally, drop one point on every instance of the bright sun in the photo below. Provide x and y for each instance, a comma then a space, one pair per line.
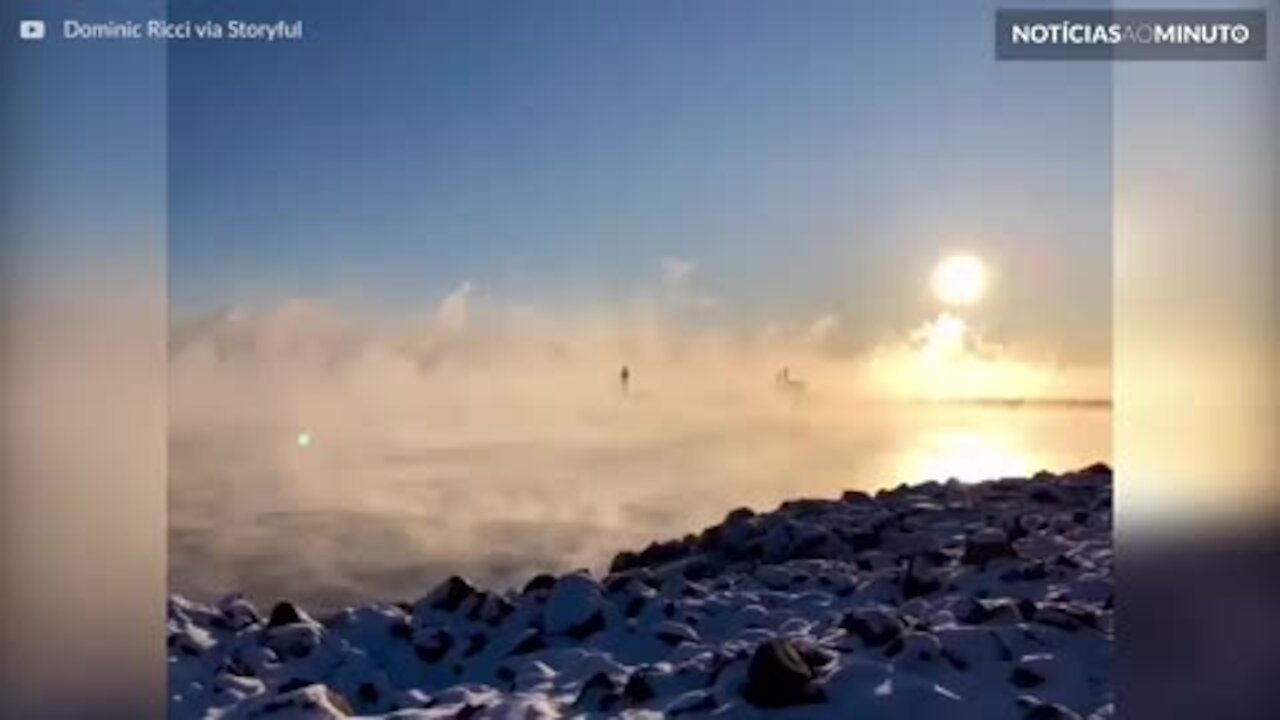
959, 280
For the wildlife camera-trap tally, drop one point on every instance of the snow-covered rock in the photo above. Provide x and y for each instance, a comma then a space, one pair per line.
988, 601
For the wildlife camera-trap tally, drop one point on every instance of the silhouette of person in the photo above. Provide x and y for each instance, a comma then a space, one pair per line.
625, 377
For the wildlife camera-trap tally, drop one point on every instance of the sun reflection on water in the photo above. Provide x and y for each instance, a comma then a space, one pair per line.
967, 455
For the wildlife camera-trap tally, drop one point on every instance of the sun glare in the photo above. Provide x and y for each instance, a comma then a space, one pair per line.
945, 337
968, 456
959, 280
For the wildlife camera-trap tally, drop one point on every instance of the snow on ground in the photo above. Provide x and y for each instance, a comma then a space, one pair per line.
941, 600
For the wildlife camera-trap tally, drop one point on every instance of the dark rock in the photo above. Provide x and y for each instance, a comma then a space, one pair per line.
873, 627
1046, 494
1034, 571
638, 688
450, 594
697, 569
1045, 711
954, 660
935, 558
433, 647
817, 658
585, 629
237, 613
231, 666
294, 684
852, 497
634, 606
739, 515
479, 604
573, 605
1028, 571
987, 545
495, 610
1004, 653
284, 613
1097, 469
647, 577
674, 633
186, 644
476, 644
805, 507
778, 676
721, 662
539, 582
616, 583
621, 562
1066, 616
661, 553
400, 628
1027, 608
1015, 531
531, 642
299, 649
710, 539
596, 692
695, 590
368, 693
861, 539
919, 580
1025, 677
814, 543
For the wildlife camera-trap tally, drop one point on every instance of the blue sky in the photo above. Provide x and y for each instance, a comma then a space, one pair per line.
810, 156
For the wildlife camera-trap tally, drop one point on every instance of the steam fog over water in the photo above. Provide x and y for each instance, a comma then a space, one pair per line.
315, 459
349, 519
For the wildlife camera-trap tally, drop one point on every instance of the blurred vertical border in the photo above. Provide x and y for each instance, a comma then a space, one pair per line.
82, 368
1197, 387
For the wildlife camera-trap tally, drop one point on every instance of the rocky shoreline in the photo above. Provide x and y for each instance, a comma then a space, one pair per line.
939, 600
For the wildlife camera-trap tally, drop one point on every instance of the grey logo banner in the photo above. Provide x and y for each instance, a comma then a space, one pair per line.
1131, 34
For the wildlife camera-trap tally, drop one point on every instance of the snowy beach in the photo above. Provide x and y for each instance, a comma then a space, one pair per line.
948, 599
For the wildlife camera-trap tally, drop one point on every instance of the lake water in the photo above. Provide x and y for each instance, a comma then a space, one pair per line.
368, 511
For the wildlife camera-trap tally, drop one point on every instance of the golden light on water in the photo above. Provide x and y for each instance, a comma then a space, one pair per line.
967, 455
959, 280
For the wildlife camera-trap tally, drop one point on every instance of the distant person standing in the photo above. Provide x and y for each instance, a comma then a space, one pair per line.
624, 378
788, 384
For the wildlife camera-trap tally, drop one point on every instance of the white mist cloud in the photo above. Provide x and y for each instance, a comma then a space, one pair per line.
452, 315
493, 438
